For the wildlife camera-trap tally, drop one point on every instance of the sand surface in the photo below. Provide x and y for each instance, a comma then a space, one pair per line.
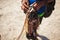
12, 21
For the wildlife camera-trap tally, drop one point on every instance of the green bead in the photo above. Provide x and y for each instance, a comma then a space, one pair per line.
41, 14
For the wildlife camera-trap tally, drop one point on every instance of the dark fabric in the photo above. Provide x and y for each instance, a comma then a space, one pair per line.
49, 9
40, 19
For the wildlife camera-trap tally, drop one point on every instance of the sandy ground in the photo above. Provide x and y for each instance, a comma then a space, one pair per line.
12, 21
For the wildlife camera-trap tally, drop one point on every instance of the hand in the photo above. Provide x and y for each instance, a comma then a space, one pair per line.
25, 5
37, 6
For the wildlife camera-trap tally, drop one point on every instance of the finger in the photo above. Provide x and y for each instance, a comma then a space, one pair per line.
34, 4
27, 3
27, 6
23, 8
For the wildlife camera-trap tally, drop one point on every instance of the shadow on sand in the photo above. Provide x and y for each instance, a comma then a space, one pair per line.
42, 37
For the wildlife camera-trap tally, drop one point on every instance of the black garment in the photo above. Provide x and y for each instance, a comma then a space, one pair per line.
49, 9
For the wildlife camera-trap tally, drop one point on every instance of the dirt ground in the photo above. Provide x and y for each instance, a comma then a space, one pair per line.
12, 21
